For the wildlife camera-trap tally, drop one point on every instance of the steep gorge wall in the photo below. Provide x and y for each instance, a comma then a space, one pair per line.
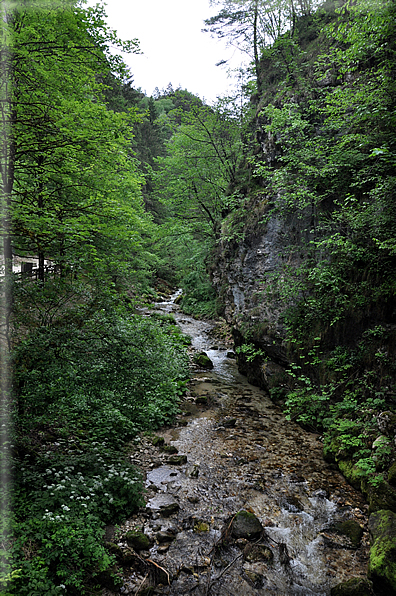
242, 277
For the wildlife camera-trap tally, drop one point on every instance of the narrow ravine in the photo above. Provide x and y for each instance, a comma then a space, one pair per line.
242, 454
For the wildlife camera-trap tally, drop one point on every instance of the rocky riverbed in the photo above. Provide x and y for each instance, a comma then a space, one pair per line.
231, 451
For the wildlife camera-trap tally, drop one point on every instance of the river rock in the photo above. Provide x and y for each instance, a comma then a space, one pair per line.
246, 525
351, 529
171, 449
229, 422
124, 556
382, 564
165, 536
163, 504
193, 471
137, 540
177, 460
356, 586
257, 552
203, 360
201, 399
255, 572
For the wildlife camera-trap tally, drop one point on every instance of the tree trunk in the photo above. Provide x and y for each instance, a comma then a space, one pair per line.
255, 47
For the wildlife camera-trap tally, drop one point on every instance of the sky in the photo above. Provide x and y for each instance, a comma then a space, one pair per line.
174, 48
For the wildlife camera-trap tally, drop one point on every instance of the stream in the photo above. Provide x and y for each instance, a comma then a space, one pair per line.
242, 453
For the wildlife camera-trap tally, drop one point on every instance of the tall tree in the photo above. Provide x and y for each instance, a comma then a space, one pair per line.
64, 158
201, 165
251, 25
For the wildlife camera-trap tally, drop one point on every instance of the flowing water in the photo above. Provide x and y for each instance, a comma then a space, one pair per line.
243, 454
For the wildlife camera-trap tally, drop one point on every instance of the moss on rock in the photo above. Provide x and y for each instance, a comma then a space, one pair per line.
203, 360
177, 460
171, 449
351, 529
137, 540
351, 472
356, 586
382, 564
157, 441
382, 496
246, 525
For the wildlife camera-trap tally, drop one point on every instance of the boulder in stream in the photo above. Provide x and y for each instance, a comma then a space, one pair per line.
163, 504
203, 360
157, 441
171, 449
246, 525
137, 540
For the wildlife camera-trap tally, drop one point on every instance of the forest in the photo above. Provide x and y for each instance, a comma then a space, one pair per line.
109, 198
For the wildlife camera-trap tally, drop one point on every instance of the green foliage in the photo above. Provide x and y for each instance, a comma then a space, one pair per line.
201, 161
250, 352
88, 373
333, 175
84, 392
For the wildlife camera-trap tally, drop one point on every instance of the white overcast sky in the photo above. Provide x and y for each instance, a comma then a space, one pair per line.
174, 48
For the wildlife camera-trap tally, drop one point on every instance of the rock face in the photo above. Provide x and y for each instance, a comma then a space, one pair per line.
241, 276
382, 565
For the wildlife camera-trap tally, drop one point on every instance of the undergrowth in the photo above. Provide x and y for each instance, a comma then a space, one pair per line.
81, 393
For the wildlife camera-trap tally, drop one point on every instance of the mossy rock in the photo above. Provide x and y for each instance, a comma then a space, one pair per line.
201, 399
392, 474
351, 529
164, 536
200, 527
380, 497
115, 550
356, 586
137, 540
229, 422
203, 360
157, 441
246, 525
254, 578
382, 564
177, 460
351, 472
171, 449
168, 510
